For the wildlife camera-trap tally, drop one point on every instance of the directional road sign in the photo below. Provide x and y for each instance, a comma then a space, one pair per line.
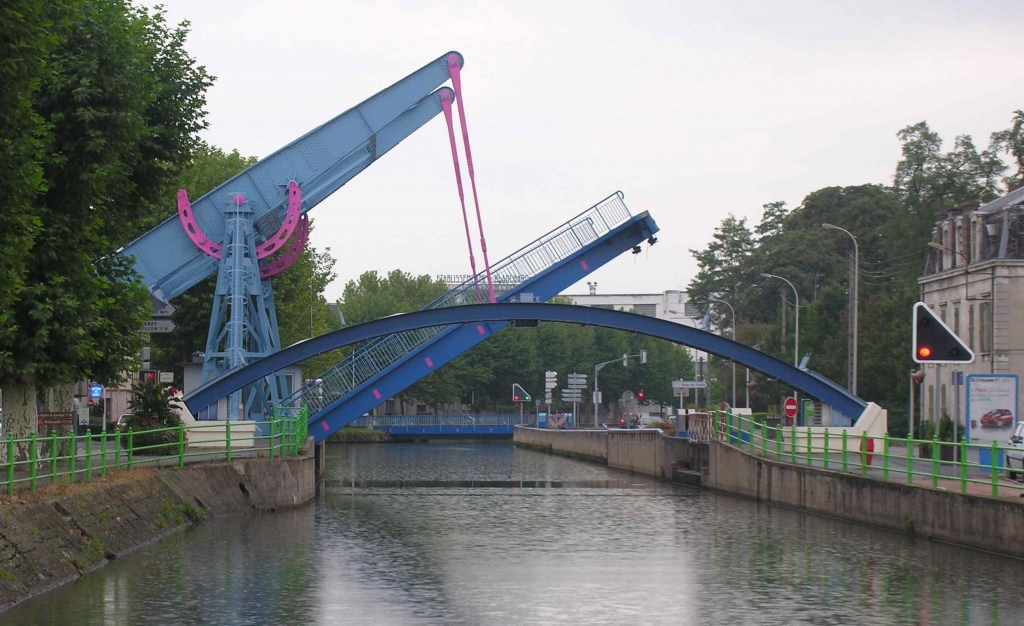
159, 326
550, 380
572, 395
161, 309
577, 381
689, 384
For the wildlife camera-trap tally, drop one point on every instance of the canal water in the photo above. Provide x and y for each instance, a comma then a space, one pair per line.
491, 534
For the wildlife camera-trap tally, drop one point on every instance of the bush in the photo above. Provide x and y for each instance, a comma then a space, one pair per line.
152, 408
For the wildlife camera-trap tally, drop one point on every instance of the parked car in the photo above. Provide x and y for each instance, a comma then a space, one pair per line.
649, 422
122, 422
1015, 457
629, 420
997, 418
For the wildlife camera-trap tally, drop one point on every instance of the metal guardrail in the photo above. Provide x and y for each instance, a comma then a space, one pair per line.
864, 455
118, 450
437, 421
526, 263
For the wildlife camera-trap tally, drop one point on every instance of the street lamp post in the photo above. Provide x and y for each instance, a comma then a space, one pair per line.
733, 311
854, 295
796, 334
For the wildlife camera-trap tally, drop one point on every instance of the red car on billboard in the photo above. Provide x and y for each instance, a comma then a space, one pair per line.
997, 418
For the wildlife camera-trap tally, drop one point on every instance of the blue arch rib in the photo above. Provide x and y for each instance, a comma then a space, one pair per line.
811, 384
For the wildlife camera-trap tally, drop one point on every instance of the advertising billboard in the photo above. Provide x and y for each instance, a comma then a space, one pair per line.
991, 408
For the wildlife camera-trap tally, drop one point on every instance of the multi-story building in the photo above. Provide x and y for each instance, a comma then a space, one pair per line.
974, 281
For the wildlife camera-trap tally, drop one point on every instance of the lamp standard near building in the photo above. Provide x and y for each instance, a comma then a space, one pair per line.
854, 293
796, 334
733, 311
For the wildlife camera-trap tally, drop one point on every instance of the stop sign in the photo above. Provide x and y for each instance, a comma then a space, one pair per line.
790, 407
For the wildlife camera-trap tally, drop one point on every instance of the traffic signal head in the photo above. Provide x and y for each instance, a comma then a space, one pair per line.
934, 342
640, 394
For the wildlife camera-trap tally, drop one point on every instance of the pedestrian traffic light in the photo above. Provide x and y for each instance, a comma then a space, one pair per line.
934, 342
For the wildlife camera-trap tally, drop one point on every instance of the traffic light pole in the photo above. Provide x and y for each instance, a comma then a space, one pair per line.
597, 368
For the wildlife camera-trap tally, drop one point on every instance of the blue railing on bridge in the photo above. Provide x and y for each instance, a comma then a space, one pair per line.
528, 262
450, 425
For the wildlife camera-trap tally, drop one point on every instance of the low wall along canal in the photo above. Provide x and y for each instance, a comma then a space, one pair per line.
992, 524
66, 531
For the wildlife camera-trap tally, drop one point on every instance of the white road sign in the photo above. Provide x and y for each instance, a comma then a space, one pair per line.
572, 395
163, 310
159, 326
689, 384
167, 377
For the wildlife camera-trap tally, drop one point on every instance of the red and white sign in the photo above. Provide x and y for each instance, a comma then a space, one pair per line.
790, 407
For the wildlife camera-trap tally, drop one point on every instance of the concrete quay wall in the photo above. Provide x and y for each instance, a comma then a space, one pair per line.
58, 535
969, 520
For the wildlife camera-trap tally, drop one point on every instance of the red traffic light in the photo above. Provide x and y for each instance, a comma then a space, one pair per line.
641, 394
924, 352
515, 398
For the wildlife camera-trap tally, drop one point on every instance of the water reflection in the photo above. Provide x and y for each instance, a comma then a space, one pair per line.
423, 534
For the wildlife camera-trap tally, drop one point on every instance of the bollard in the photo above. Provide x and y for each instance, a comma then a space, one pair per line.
995, 471
32, 453
935, 462
10, 465
131, 442
181, 445
227, 440
53, 457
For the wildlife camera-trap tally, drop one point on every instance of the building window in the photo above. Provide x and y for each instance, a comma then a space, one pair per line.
421, 409
691, 310
984, 324
942, 313
957, 246
970, 327
389, 407
650, 310
956, 320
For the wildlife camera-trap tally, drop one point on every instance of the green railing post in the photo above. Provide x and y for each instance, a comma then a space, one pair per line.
53, 457
103, 453
845, 448
963, 466
117, 450
910, 459
73, 455
131, 451
750, 430
227, 440
885, 456
714, 427
792, 445
824, 456
778, 443
10, 465
864, 453
181, 445
273, 429
32, 454
807, 432
935, 462
88, 458
995, 471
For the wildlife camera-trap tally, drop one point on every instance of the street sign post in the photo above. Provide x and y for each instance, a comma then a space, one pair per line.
689, 384
55, 418
158, 326
790, 407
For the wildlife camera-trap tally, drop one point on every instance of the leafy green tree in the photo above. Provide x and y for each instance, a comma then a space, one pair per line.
153, 408
120, 101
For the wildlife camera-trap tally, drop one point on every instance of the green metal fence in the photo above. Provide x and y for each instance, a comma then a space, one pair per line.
106, 452
888, 458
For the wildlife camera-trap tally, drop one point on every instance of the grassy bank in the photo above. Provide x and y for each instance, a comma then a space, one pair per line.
359, 435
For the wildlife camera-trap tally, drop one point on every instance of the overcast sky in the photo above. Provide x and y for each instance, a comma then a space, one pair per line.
692, 109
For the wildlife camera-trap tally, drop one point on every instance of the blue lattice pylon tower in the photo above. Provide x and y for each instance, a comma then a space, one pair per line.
243, 322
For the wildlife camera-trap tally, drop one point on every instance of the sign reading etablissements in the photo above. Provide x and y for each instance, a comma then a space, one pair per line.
991, 408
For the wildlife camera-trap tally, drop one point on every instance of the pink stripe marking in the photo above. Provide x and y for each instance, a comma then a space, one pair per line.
325, 426
584, 265
376, 394
428, 362
480, 329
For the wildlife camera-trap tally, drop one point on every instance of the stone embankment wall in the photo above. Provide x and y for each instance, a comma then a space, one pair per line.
47, 540
581, 444
974, 521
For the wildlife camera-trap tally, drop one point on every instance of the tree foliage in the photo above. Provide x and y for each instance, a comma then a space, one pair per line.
114, 110
892, 226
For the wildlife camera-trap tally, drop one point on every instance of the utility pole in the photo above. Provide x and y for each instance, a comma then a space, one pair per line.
733, 311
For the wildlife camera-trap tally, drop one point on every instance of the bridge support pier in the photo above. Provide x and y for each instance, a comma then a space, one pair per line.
319, 460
